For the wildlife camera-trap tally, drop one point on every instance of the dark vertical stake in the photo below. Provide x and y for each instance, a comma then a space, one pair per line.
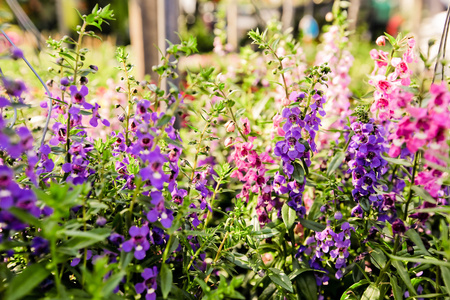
143, 16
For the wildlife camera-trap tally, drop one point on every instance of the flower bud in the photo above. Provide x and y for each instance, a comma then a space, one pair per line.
228, 141
65, 81
381, 41
93, 68
83, 80
121, 117
16, 53
230, 126
101, 221
338, 215
286, 102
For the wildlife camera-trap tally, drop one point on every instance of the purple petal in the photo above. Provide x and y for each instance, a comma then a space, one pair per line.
73, 90
152, 216
4, 102
67, 167
134, 231
93, 121
140, 255
84, 90
128, 246
139, 287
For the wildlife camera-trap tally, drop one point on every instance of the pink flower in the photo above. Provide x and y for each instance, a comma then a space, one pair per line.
385, 86
381, 41
286, 102
230, 126
394, 151
277, 120
228, 141
245, 126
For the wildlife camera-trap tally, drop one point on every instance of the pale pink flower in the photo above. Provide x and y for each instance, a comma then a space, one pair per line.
381, 41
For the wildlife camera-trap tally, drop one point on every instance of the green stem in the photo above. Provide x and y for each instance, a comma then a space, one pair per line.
75, 73
174, 109
77, 52
133, 201
212, 201
208, 123
280, 61
413, 175
388, 263
233, 117
55, 264
218, 254
128, 111
235, 122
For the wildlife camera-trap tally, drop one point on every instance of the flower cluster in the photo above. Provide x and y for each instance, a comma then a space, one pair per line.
251, 170
337, 92
389, 74
299, 130
328, 245
365, 162
424, 127
17, 154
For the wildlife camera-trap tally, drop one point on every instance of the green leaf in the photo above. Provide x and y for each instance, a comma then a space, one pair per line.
371, 293
299, 173
280, 278
173, 142
335, 162
82, 239
166, 280
297, 272
352, 287
423, 194
308, 285
312, 225
163, 121
445, 271
378, 258
26, 281
415, 238
396, 290
397, 161
391, 39
112, 283
25, 216
403, 273
422, 260
288, 215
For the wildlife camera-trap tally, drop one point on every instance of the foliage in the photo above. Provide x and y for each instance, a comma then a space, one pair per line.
264, 179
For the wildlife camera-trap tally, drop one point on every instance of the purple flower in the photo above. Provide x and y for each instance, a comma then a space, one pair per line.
14, 88
178, 195
101, 221
65, 81
149, 283
138, 241
398, 227
4, 102
77, 260
116, 238
6, 176
78, 96
96, 116
39, 246
16, 53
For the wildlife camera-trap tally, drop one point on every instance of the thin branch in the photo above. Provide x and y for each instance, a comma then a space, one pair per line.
50, 103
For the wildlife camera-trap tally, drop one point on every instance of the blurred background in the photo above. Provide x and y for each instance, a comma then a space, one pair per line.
218, 25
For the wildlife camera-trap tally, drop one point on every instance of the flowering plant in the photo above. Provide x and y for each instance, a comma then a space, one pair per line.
247, 181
